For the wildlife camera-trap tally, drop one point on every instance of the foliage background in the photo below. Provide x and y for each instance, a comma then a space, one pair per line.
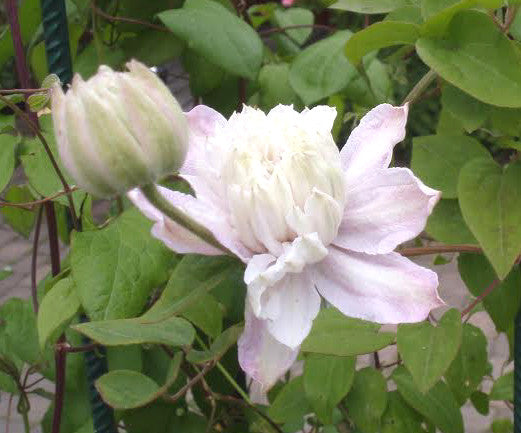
462, 59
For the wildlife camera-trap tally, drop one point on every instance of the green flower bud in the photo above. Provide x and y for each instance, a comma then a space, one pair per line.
119, 130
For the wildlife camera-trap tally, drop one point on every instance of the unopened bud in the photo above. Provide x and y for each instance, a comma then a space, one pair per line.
119, 130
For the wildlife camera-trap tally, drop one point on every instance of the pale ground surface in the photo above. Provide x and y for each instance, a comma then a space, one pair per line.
16, 251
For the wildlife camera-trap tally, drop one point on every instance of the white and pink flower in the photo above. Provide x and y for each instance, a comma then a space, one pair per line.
309, 221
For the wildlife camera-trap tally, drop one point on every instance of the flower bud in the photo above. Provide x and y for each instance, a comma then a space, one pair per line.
119, 130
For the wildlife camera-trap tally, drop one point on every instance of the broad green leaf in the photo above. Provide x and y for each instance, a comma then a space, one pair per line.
408, 14
39, 170
218, 35
425, 349
439, 13
490, 201
469, 111
503, 388
58, 307
152, 47
438, 159
502, 304
446, 224
322, 69
380, 35
125, 358
275, 87
381, 87
368, 6
38, 101
470, 365
187, 290
21, 220
8, 144
116, 268
127, 389
291, 403
18, 334
367, 400
471, 60
327, 380
437, 405
294, 16
174, 331
93, 55
335, 334
400, 417
204, 75
218, 348
481, 402
502, 426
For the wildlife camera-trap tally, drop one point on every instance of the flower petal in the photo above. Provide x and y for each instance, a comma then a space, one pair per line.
381, 212
383, 288
182, 240
264, 270
370, 145
260, 355
203, 122
290, 307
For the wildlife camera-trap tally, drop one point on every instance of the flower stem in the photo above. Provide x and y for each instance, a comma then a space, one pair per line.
420, 87
153, 195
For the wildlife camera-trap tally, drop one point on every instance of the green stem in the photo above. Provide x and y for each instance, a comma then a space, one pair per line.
420, 87
227, 375
153, 195
27, 425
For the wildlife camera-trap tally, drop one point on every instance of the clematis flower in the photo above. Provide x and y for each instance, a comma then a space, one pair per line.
309, 221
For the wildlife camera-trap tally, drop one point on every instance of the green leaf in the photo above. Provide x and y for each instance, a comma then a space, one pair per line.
58, 307
437, 405
335, 334
471, 364
470, 60
38, 101
218, 35
481, 402
294, 16
21, 220
425, 350
322, 69
502, 304
438, 159
174, 331
367, 400
380, 89
291, 403
502, 426
127, 389
187, 290
446, 224
503, 388
39, 170
368, 6
152, 47
469, 111
275, 87
327, 380
490, 200
218, 348
18, 335
380, 35
400, 417
204, 76
116, 268
8, 145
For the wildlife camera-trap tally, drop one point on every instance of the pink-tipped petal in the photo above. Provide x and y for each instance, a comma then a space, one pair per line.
384, 288
203, 122
261, 356
370, 145
180, 239
384, 210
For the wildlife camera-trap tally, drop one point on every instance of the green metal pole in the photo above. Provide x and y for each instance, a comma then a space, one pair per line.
56, 36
